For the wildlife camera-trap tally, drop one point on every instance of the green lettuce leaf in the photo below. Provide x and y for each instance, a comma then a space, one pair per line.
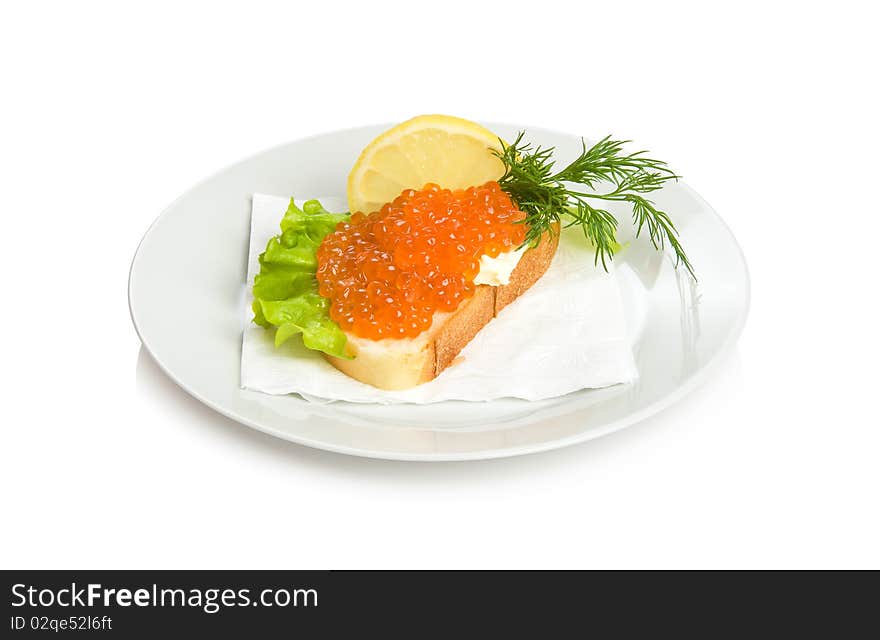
286, 290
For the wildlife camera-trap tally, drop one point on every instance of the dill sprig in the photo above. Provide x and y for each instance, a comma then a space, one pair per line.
547, 196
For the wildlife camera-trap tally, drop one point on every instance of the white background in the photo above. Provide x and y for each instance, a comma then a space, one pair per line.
769, 110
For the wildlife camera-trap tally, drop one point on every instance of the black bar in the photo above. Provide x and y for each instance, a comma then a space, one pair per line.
262, 604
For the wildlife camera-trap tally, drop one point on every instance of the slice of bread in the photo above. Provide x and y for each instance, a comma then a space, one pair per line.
401, 364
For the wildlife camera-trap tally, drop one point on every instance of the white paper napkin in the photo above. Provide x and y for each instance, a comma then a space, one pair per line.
567, 332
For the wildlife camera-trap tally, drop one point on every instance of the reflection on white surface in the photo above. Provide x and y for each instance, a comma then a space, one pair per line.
689, 300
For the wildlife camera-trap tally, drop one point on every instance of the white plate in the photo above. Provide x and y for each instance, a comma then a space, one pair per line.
187, 279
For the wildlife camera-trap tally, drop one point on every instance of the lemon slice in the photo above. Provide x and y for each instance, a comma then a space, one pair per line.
452, 152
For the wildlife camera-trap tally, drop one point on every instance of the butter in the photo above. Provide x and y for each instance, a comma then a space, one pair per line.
496, 271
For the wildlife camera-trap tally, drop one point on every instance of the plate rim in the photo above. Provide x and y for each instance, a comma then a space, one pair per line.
629, 419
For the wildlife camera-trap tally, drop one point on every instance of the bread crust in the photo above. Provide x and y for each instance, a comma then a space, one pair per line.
428, 355
462, 326
530, 268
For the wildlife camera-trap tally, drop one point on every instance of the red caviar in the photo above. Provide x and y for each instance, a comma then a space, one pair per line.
386, 273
